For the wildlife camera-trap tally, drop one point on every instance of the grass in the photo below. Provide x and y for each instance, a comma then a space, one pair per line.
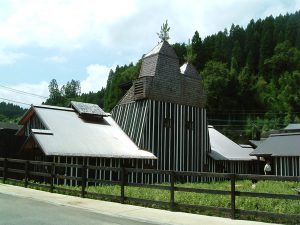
244, 203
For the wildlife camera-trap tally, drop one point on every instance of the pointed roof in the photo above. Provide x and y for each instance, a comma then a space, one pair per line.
189, 69
163, 48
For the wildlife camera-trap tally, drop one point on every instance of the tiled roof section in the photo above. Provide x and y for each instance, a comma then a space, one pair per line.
128, 97
160, 79
189, 70
162, 48
88, 109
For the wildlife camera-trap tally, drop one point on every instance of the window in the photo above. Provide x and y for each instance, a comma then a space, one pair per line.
167, 122
189, 125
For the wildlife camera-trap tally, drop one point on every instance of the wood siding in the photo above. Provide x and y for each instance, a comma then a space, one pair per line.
286, 166
176, 134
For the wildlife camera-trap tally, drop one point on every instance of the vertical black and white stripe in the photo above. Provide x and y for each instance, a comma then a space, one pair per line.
286, 166
176, 134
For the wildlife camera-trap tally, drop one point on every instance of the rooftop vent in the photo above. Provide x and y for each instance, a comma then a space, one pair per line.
88, 110
139, 88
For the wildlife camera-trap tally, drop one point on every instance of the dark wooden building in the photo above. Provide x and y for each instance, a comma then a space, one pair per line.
164, 112
9, 143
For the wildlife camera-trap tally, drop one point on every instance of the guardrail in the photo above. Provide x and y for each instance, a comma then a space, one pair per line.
172, 188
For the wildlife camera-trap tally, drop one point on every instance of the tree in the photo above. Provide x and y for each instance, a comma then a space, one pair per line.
215, 80
190, 55
197, 49
71, 89
180, 50
54, 93
164, 32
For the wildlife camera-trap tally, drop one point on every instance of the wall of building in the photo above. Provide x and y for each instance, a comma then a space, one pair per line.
176, 134
286, 166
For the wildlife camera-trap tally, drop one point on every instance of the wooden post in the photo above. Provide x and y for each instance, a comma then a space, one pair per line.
83, 181
232, 196
52, 177
26, 173
172, 190
4, 170
123, 184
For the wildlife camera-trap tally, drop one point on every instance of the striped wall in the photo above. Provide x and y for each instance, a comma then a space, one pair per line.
228, 166
98, 174
176, 134
286, 166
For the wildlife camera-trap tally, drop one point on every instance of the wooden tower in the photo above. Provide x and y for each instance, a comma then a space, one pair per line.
163, 112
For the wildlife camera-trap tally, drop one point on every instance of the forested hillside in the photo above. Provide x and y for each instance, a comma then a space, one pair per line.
251, 76
10, 112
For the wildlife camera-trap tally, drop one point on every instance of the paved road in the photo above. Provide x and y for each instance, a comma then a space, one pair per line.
16, 210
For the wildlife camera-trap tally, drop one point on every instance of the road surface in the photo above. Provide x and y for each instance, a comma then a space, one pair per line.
16, 210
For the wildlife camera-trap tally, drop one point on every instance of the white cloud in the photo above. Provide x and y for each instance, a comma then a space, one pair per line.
57, 23
10, 57
124, 26
96, 79
56, 59
14, 97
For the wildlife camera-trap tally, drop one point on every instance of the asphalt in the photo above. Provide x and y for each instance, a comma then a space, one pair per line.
122, 211
34, 212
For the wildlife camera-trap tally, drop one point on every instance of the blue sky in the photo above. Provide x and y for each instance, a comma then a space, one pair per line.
84, 39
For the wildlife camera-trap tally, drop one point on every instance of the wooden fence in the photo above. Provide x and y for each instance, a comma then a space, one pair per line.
12, 166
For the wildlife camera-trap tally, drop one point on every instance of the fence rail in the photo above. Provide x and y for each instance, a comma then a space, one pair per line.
51, 175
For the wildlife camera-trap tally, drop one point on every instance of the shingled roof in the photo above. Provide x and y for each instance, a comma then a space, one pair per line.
162, 79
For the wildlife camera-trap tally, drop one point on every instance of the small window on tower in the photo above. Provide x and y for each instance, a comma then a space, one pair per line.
167, 122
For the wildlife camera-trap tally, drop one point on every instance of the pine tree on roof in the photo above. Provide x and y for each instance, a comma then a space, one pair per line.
164, 32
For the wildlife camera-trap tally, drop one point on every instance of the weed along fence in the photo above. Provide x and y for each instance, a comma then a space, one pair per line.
49, 176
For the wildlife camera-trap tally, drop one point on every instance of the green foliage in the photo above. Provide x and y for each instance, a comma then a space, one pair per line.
71, 92
10, 112
215, 79
190, 55
116, 78
164, 32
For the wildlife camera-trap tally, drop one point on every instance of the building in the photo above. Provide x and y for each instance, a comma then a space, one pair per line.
164, 112
82, 134
9, 142
229, 157
283, 151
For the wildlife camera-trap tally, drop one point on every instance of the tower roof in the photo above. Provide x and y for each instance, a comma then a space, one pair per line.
162, 48
189, 69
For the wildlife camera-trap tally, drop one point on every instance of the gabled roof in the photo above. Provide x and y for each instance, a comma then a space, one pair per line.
69, 135
222, 148
283, 144
256, 143
293, 126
